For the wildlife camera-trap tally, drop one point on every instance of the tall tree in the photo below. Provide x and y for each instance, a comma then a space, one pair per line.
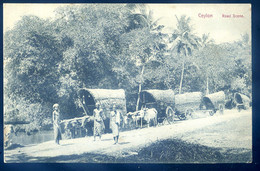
211, 60
205, 41
242, 71
31, 56
94, 31
142, 19
186, 41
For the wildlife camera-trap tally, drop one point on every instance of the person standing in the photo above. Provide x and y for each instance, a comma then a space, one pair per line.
56, 123
98, 121
114, 123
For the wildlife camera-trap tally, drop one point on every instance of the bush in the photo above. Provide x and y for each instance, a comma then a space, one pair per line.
19, 111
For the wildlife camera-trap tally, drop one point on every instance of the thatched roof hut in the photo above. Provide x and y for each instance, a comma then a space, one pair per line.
241, 99
212, 101
106, 98
188, 101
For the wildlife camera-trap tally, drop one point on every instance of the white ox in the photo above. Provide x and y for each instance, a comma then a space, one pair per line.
144, 114
131, 118
150, 115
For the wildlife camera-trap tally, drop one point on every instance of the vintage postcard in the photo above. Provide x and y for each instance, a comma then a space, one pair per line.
127, 83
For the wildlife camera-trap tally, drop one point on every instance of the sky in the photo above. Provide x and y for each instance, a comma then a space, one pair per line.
205, 18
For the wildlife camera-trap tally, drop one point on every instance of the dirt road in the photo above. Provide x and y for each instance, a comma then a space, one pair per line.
231, 130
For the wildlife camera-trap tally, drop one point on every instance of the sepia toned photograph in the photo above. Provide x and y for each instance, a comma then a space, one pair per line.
127, 83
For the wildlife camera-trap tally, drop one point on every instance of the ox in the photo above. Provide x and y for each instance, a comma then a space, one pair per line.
150, 115
144, 114
131, 118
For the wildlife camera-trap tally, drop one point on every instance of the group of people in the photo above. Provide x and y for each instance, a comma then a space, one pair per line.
99, 125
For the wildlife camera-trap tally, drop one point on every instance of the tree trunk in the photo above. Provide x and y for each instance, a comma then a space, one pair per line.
207, 91
182, 72
140, 89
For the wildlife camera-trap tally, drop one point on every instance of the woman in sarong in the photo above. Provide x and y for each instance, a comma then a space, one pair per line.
56, 123
98, 121
114, 123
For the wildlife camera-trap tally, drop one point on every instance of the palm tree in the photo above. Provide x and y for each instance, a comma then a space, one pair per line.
205, 41
142, 18
185, 41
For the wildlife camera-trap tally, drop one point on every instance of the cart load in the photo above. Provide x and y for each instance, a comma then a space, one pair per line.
214, 102
161, 100
187, 103
242, 101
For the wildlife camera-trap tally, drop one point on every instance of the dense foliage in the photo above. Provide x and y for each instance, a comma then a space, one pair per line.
111, 46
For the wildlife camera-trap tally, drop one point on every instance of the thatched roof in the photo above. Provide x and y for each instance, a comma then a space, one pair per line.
107, 97
101, 94
241, 98
217, 97
213, 100
188, 101
166, 96
188, 98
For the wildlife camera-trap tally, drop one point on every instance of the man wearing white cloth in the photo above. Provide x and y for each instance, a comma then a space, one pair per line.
115, 122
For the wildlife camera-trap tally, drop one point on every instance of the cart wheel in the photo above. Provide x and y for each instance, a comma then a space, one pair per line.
238, 108
221, 109
170, 114
182, 116
165, 121
247, 105
211, 113
188, 113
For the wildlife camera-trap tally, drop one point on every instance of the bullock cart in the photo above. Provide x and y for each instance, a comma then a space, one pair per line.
106, 98
214, 102
162, 101
82, 126
186, 104
241, 101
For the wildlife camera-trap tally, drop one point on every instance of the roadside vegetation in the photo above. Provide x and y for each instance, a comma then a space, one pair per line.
111, 46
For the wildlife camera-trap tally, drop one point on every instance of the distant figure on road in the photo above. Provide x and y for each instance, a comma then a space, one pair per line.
56, 123
115, 122
98, 121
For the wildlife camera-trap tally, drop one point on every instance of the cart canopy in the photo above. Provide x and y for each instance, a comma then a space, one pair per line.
106, 98
157, 96
241, 98
212, 101
187, 101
